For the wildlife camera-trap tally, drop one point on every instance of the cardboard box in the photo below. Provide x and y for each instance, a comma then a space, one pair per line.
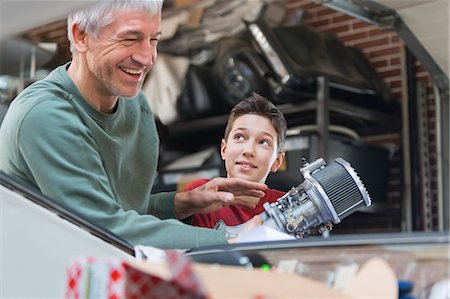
178, 278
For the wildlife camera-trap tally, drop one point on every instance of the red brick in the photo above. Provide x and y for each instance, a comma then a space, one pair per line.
354, 36
309, 5
395, 39
361, 24
338, 29
395, 84
384, 52
430, 91
422, 75
375, 59
323, 11
312, 12
420, 68
395, 61
380, 64
373, 43
376, 32
342, 18
320, 23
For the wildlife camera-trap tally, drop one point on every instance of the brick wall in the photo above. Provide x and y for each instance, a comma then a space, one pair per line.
385, 51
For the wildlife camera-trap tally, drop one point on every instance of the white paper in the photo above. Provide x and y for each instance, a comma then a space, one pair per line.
262, 233
149, 253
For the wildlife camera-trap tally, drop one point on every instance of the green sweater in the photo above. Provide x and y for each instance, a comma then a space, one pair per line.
101, 165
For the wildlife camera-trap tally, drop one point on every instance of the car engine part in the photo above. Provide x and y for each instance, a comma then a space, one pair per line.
328, 194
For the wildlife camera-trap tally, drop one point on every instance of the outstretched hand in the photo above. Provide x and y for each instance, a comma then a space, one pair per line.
216, 194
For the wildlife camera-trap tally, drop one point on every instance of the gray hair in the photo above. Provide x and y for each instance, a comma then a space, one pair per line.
94, 18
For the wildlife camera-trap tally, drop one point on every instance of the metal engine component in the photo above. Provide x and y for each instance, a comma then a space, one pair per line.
328, 194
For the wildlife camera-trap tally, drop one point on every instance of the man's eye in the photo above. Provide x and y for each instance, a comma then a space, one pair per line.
129, 40
154, 42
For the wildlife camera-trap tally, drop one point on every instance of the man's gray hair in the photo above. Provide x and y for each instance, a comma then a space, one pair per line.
94, 18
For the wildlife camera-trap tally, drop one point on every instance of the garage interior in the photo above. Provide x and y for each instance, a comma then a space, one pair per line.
409, 53
385, 108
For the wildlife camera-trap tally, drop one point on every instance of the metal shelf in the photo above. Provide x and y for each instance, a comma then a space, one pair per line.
371, 117
319, 110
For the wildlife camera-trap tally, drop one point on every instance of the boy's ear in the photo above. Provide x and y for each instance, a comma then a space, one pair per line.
223, 147
278, 161
79, 38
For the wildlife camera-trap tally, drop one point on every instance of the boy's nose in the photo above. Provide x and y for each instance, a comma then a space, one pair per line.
249, 151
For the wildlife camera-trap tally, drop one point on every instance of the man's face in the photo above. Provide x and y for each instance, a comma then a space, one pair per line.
250, 151
123, 53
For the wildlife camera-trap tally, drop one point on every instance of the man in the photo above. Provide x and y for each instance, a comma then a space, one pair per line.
86, 137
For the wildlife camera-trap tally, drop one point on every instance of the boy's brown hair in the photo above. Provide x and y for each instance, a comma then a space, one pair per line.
259, 105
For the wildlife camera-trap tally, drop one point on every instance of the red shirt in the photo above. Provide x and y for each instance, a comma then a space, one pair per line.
232, 215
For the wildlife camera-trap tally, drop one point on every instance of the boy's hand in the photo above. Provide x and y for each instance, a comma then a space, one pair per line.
216, 194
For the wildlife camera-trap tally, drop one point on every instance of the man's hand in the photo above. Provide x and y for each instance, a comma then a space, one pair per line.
216, 194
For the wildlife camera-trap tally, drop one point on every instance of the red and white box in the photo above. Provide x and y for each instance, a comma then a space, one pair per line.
114, 278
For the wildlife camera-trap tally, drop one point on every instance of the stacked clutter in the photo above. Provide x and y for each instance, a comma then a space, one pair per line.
172, 275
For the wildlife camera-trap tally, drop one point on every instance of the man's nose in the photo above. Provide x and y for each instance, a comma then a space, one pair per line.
145, 54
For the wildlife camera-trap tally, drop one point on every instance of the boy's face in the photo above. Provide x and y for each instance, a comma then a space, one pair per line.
250, 152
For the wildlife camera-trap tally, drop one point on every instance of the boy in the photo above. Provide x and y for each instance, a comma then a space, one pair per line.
253, 146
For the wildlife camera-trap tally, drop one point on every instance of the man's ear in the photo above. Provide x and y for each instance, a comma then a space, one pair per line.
278, 161
79, 38
223, 147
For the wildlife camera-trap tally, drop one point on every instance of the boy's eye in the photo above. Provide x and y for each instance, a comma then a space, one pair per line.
265, 142
238, 137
